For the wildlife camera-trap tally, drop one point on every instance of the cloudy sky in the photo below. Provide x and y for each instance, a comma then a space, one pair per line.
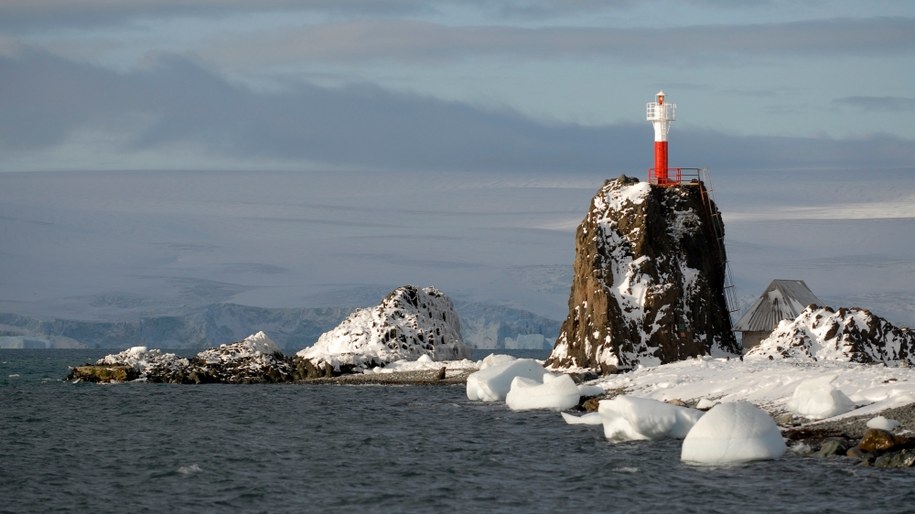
453, 85
339, 144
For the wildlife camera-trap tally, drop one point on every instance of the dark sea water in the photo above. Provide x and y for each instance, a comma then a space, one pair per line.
305, 448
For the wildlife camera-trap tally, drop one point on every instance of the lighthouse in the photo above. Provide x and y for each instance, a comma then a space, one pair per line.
660, 114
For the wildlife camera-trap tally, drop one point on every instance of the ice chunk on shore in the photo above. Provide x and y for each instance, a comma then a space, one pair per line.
555, 392
818, 399
493, 383
883, 423
629, 418
732, 433
496, 359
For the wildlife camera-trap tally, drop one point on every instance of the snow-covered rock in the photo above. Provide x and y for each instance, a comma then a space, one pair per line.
146, 362
629, 418
408, 323
492, 384
648, 280
254, 359
732, 433
818, 398
846, 334
254, 347
553, 392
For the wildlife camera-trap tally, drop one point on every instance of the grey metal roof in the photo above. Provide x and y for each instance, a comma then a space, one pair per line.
783, 299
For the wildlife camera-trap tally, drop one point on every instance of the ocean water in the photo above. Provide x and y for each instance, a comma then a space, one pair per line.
68, 447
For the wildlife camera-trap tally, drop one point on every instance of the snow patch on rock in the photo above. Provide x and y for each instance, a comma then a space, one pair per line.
145, 361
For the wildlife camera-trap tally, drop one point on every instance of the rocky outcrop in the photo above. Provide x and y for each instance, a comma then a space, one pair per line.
647, 281
407, 324
256, 359
846, 334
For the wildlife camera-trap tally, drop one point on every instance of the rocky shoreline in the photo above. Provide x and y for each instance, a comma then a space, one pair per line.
847, 437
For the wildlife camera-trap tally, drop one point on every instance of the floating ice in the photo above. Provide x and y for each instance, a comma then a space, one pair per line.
883, 423
817, 398
189, 470
492, 383
556, 392
628, 418
591, 418
732, 433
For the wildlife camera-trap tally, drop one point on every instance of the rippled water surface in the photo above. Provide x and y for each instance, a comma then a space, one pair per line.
302, 448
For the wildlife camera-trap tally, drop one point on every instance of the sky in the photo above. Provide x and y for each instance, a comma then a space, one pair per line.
373, 143
556, 86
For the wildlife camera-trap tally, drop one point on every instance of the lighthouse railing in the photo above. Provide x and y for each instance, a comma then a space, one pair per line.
675, 176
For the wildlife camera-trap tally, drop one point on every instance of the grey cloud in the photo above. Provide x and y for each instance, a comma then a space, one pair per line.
410, 40
29, 14
45, 99
878, 103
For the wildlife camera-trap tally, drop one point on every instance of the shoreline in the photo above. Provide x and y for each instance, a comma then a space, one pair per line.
418, 378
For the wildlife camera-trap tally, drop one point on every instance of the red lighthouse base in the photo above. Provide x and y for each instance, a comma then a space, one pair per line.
660, 163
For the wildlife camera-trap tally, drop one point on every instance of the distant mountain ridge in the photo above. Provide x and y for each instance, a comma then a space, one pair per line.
483, 326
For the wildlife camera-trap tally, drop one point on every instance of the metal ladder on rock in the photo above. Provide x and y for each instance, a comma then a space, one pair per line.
705, 192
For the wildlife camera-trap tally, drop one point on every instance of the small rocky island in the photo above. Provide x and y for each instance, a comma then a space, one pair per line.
409, 324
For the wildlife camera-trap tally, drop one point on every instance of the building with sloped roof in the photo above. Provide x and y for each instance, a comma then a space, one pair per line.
783, 299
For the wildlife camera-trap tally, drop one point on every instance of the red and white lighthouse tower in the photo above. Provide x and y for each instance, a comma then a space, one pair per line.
660, 114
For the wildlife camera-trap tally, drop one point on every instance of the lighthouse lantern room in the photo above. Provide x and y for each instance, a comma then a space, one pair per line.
660, 114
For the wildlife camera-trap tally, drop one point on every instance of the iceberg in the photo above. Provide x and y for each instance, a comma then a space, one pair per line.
733, 433
818, 398
555, 392
629, 418
492, 383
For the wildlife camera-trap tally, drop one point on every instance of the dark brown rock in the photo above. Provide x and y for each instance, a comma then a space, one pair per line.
877, 440
857, 453
648, 280
103, 373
